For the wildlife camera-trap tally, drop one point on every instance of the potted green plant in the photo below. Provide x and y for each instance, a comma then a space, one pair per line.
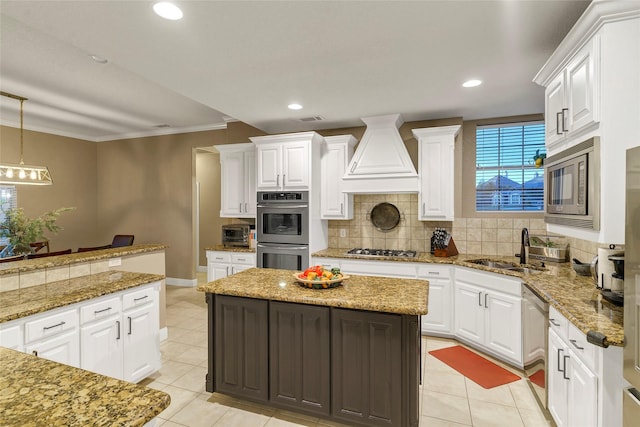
21, 231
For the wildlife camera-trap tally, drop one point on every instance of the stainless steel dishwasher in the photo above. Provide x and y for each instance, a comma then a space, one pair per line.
535, 317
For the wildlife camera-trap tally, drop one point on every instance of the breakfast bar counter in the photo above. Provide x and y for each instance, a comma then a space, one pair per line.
349, 353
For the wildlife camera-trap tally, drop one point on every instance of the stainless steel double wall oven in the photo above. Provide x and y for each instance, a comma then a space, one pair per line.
283, 230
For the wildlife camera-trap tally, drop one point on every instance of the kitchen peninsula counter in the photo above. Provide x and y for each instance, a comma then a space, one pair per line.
574, 296
350, 353
39, 392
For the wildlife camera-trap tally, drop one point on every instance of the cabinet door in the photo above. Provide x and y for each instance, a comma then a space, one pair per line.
217, 271
101, 347
237, 268
582, 393
141, 342
366, 371
469, 312
581, 91
269, 167
241, 347
11, 335
557, 384
333, 200
554, 103
436, 180
62, 348
503, 325
232, 184
439, 318
299, 356
296, 166
249, 210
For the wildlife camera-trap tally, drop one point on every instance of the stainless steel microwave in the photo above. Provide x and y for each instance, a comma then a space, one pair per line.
572, 186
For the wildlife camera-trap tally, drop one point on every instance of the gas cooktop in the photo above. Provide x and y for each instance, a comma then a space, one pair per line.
382, 252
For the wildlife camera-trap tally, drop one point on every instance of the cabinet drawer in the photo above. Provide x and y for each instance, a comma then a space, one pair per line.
50, 325
218, 256
583, 349
243, 258
138, 298
434, 271
558, 323
490, 281
100, 309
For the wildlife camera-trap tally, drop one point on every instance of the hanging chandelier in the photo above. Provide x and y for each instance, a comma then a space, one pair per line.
20, 173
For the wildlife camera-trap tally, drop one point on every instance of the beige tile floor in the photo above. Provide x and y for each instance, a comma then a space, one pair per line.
446, 397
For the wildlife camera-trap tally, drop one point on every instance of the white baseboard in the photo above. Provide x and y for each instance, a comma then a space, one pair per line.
201, 268
164, 334
187, 283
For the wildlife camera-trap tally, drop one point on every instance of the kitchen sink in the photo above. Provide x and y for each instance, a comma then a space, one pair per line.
506, 265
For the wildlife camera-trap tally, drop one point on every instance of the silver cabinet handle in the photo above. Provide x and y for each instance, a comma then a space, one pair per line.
130, 330
558, 360
353, 167
245, 208
241, 259
552, 321
558, 127
576, 345
284, 179
424, 209
241, 207
480, 299
485, 301
227, 268
278, 180
434, 273
341, 208
35, 353
141, 298
564, 119
118, 325
219, 258
564, 372
101, 311
45, 328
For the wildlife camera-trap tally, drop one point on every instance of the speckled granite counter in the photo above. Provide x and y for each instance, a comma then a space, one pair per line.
231, 249
77, 257
383, 294
39, 392
36, 299
573, 296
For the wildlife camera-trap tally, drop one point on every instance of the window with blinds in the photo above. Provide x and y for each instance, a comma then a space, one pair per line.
8, 200
506, 176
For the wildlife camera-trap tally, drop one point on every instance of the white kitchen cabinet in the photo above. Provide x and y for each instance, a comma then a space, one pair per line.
225, 263
11, 335
488, 313
436, 169
439, 320
237, 180
284, 162
334, 202
572, 97
54, 335
120, 335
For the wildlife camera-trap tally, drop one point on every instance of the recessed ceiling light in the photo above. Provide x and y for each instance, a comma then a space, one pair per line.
168, 10
98, 59
472, 83
294, 106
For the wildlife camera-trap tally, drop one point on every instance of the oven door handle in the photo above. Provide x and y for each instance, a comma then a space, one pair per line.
283, 247
284, 206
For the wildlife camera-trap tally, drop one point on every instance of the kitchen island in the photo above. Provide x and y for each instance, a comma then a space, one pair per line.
351, 353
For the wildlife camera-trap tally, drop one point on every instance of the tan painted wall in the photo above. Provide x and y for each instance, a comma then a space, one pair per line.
72, 164
208, 175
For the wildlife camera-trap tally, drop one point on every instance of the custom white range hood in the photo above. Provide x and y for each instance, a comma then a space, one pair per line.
381, 163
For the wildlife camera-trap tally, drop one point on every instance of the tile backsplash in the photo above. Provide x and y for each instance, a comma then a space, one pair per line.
482, 236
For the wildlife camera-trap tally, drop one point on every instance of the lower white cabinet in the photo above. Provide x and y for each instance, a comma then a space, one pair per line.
61, 348
488, 317
225, 263
11, 335
54, 335
439, 320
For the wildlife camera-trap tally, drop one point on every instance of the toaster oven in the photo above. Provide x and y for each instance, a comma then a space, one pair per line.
235, 235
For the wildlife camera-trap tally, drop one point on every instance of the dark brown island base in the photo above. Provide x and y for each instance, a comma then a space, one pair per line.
351, 353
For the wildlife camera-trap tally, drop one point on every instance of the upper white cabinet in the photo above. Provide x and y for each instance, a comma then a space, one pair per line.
284, 162
572, 97
334, 202
436, 165
238, 180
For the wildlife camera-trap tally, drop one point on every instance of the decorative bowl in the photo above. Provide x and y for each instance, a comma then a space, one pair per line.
319, 284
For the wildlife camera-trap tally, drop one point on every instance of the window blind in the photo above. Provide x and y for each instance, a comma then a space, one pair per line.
506, 176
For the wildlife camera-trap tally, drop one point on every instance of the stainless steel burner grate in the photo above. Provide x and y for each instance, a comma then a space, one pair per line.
382, 252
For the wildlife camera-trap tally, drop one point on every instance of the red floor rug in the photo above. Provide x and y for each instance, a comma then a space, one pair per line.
538, 378
478, 369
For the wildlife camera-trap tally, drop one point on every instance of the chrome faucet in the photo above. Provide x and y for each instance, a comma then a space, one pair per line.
524, 246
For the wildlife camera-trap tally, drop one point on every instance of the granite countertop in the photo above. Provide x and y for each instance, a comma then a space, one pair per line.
575, 297
229, 249
39, 392
36, 299
76, 257
383, 294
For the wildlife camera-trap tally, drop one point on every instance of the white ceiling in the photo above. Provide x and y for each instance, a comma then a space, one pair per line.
248, 60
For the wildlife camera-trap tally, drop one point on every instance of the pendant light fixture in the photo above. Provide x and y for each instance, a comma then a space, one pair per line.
22, 174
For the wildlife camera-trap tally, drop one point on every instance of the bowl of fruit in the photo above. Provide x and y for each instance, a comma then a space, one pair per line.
319, 277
